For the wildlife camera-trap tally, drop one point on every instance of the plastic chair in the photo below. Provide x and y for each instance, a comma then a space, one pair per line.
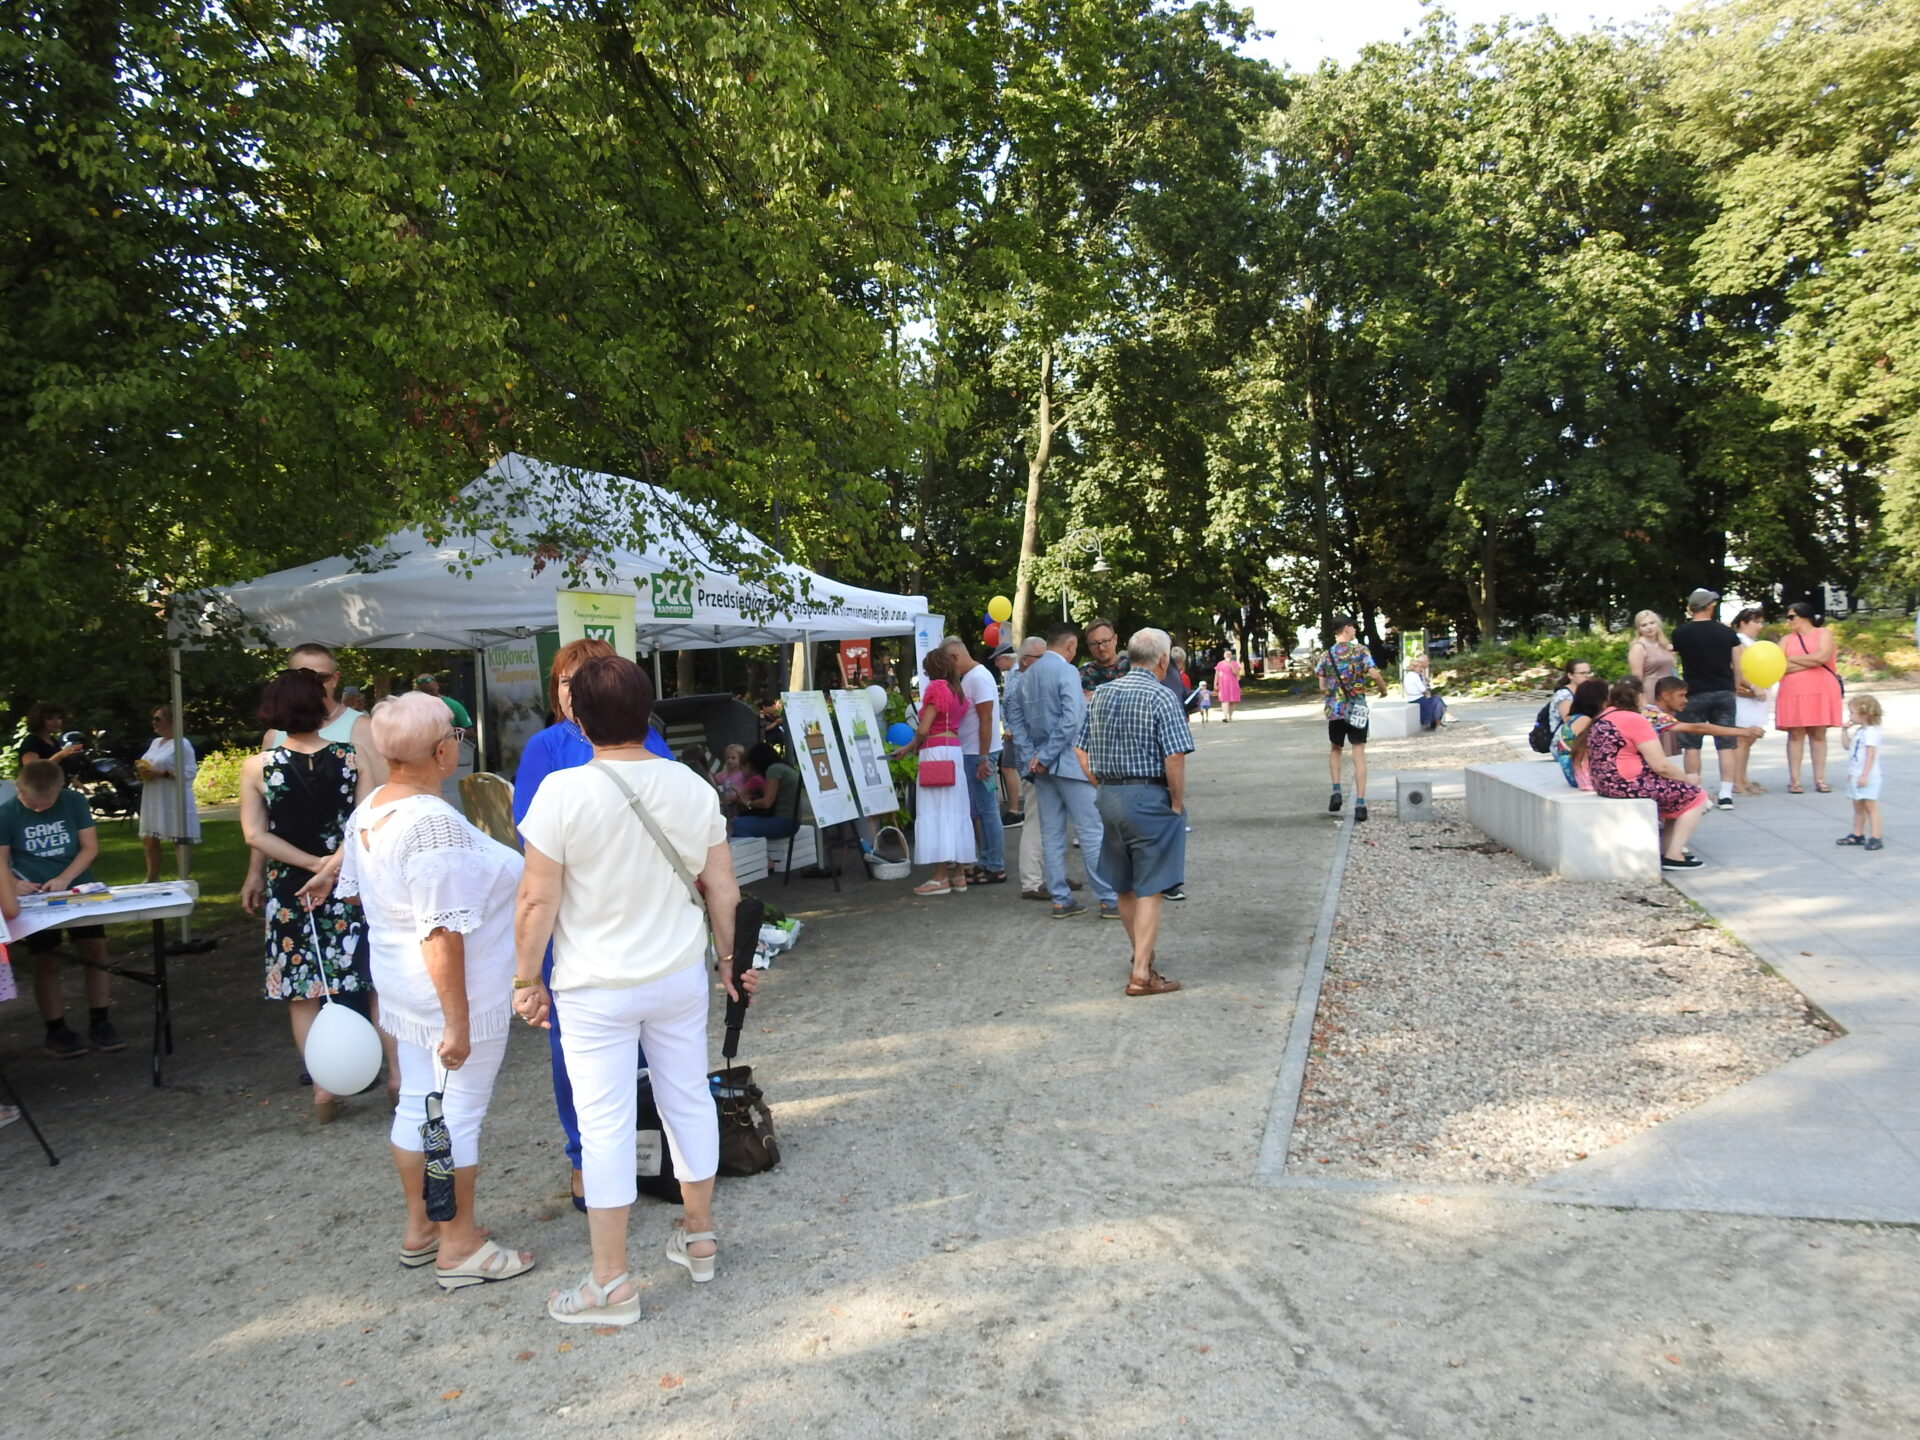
488, 801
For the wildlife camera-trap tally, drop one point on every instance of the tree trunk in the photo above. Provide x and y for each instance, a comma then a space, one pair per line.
1480, 591
1030, 521
684, 678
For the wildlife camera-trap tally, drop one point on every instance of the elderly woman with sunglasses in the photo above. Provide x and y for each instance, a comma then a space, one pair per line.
438, 896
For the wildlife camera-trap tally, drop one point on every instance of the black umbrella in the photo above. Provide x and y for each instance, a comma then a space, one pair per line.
746, 940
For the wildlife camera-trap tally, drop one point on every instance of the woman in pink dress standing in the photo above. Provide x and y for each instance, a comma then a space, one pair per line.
1226, 686
1807, 704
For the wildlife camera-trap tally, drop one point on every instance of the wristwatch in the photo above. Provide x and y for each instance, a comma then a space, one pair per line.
520, 984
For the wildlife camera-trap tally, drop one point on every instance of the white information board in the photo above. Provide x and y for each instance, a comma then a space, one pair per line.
816, 753
866, 752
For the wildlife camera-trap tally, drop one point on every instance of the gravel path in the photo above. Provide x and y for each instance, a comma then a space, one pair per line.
1482, 1022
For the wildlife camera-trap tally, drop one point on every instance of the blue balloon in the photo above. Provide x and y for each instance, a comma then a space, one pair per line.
899, 733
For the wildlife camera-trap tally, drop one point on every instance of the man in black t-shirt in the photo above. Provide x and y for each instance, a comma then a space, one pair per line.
1708, 653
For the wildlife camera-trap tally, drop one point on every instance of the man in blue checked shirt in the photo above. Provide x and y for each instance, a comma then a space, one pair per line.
1136, 740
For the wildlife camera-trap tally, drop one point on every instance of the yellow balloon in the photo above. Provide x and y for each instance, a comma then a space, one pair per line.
1763, 663
1000, 608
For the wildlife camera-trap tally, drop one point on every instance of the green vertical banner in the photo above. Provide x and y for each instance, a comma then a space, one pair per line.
585, 615
1413, 645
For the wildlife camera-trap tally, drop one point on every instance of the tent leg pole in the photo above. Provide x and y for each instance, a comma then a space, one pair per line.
481, 728
183, 796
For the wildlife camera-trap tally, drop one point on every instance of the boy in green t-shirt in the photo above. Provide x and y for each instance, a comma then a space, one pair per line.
48, 844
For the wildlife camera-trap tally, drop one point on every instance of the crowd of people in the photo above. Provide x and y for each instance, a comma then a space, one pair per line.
1621, 739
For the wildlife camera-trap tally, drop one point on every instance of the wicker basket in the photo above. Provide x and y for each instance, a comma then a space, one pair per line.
889, 859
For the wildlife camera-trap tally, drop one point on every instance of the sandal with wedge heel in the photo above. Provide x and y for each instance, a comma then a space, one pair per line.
700, 1267
587, 1303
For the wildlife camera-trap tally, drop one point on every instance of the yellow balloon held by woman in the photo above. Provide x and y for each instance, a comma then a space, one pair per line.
1000, 608
1763, 663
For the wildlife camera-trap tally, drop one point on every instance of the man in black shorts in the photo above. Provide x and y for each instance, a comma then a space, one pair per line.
1708, 653
1346, 673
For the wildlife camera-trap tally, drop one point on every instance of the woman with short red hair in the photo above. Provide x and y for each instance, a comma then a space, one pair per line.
562, 746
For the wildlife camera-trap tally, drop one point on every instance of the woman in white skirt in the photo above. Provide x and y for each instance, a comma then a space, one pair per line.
943, 815
1750, 706
629, 969
161, 823
438, 896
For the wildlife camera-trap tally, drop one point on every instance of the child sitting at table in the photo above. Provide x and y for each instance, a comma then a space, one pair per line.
47, 845
737, 783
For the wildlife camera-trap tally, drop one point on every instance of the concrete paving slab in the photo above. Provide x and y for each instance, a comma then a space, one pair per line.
1834, 1134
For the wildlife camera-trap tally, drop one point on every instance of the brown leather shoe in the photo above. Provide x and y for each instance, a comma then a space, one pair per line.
1035, 895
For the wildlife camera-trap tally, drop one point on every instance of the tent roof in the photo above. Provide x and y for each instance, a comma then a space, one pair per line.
409, 592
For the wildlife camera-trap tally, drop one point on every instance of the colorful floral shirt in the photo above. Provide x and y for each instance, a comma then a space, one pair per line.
1343, 672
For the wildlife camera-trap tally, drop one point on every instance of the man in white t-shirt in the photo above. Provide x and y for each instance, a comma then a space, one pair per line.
980, 747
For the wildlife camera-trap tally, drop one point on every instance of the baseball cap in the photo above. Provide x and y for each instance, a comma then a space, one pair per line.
1700, 599
998, 651
349, 690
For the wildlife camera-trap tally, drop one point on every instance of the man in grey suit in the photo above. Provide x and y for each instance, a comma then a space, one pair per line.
1046, 712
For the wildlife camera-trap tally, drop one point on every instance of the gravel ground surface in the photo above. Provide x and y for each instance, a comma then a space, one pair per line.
1482, 1022
1014, 1205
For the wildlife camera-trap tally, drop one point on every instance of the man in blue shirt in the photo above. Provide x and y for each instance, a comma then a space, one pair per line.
1136, 738
1046, 712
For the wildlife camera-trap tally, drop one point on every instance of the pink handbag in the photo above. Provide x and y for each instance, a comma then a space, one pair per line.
938, 774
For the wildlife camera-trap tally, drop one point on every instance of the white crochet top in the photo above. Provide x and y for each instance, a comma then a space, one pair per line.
417, 866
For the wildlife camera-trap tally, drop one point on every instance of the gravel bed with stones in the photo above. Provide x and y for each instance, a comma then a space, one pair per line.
1481, 1022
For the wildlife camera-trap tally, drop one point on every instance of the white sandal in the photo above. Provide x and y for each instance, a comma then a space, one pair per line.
573, 1307
698, 1266
479, 1268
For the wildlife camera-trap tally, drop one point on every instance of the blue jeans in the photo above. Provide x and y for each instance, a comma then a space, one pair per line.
771, 827
986, 811
1065, 802
562, 1085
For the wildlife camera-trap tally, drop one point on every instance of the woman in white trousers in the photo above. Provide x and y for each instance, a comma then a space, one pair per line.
629, 965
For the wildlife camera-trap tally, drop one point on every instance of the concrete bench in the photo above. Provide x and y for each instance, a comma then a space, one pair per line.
1392, 719
1528, 807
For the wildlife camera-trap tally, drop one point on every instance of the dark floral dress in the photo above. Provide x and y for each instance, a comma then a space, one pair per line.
309, 798
1671, 798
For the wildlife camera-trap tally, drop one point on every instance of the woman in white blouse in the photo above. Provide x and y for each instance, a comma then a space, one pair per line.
161, 820
629, 965
438, 896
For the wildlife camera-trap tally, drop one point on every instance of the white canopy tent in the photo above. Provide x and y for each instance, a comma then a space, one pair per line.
469, 590
498, 578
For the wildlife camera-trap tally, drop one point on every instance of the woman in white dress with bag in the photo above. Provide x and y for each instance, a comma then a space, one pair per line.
613, 848
161, 820
438, 897
1750, 706
942, 811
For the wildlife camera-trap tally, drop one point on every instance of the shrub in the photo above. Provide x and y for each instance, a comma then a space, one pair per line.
218, 781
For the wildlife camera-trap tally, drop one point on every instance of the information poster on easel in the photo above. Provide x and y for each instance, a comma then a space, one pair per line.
816, 753
866, 754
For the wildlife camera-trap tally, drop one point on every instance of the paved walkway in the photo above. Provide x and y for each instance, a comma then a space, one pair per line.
1834, 1134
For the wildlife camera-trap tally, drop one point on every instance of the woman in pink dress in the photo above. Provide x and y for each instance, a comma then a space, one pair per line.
1807, 702
1226, 686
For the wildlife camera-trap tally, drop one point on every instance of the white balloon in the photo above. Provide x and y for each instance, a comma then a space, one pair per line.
877, 697
343, 1050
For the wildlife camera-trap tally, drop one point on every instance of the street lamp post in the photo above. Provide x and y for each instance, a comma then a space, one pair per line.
1087, 543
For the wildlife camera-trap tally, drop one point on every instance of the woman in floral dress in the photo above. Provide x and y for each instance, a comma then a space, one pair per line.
294, 804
